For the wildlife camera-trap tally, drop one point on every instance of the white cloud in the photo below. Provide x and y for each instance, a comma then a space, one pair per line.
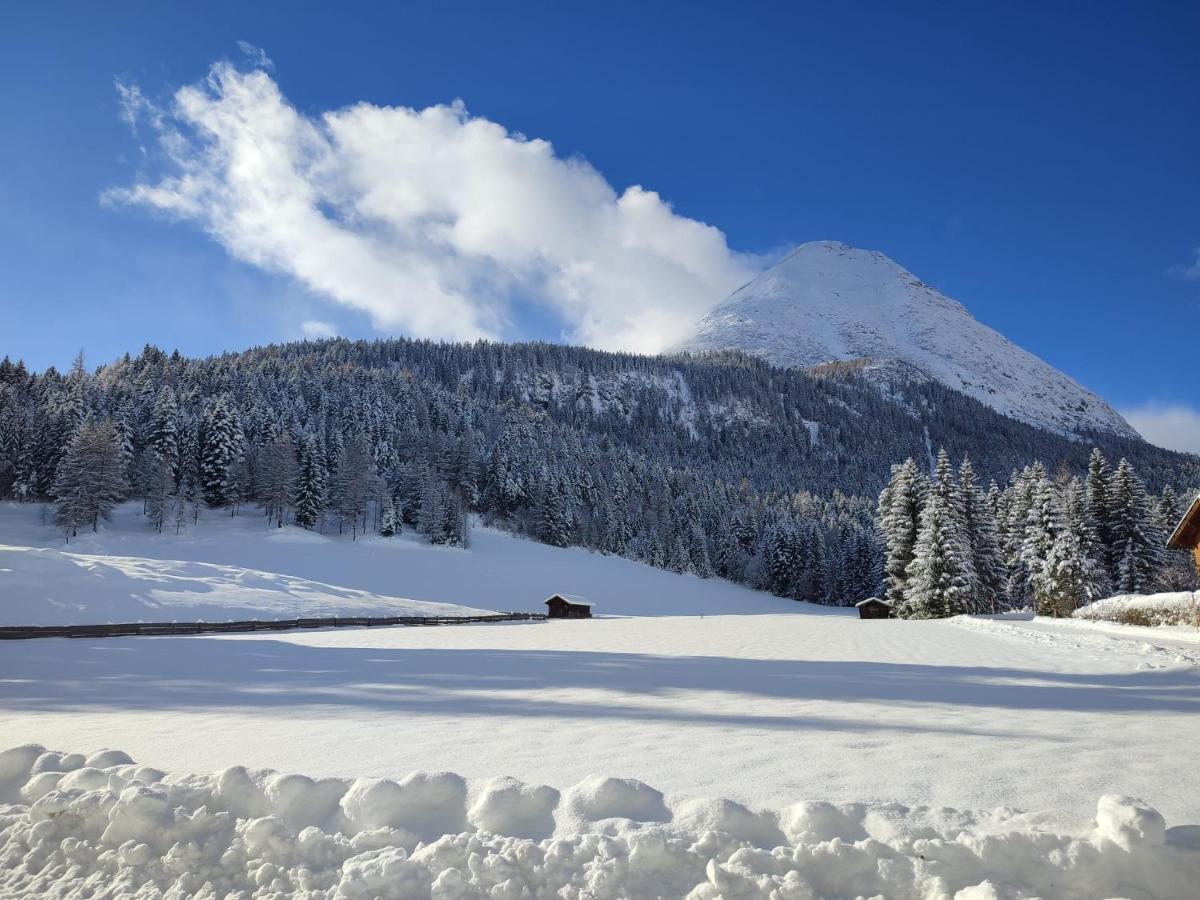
256, 55
316, 329
431, 221
1175, 427
1190, 270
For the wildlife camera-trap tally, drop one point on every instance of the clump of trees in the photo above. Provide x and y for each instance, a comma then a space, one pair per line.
1049, 544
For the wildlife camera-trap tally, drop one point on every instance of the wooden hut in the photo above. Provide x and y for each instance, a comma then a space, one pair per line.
568, 606
874, 608
1186, 535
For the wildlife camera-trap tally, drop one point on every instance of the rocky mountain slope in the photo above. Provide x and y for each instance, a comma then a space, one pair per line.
827, 301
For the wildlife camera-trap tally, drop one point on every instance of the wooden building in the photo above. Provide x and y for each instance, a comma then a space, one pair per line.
568, 606
1186, 535
874, 608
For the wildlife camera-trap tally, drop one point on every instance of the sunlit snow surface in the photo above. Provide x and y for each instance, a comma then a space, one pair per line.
790, 704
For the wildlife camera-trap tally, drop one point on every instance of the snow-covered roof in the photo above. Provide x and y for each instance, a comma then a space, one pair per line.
1187, 533
872, 600
574, 599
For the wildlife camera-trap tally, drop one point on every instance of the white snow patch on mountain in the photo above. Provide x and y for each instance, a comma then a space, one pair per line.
827, 301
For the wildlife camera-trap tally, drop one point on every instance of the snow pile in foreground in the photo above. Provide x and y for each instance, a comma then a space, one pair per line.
42, 586
1173, 608
103, 826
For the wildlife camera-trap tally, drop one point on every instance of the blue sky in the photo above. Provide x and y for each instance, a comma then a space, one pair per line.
1035, 161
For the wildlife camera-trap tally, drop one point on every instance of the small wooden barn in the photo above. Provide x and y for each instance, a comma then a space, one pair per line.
874, 608
1186, 535
568, 606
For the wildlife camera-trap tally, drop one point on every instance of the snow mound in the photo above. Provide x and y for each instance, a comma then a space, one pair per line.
122, 830
44, 586
1172, 608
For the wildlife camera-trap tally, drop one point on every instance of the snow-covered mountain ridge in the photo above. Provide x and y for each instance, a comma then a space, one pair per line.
827, 301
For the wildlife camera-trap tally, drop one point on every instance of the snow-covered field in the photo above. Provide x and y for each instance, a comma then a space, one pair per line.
228, 567
927, 737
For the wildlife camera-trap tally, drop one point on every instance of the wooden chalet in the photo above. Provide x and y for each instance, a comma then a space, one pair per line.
874, 608
568, 606
1186, 535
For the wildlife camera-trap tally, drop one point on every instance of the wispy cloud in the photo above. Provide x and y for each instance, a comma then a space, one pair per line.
257, 56
1190, 270
1174, 426
431, 221
314, 328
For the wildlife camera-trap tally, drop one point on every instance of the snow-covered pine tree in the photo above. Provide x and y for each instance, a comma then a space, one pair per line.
457, 527
387, 516
91, 478
1044, 522
1099, 507
1063, 584
1137, 543
980, 534
945, 485
937, 582
553, 517
1096, 582
310, 484
899, 522
781, 560
220, 453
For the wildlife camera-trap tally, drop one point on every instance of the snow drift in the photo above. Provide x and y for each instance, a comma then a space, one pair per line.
1170, 608
104, 826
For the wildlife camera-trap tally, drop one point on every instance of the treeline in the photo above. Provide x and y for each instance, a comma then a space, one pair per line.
723, 466
382, 451
1050, 544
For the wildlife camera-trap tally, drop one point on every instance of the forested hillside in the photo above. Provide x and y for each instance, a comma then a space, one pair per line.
720, 465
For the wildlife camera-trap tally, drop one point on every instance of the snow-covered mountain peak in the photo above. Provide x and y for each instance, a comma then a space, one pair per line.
829, 301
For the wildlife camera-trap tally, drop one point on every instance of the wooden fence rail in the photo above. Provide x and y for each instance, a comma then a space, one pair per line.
24, 632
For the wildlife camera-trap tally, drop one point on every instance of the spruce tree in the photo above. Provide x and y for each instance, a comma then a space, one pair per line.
310, 484
1063, 584
1137, 543
937, 582
387, 518
981, 537
553, 516
1099, 507
899, 521
220, 453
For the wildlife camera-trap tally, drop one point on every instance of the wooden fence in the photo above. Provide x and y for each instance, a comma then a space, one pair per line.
24, 632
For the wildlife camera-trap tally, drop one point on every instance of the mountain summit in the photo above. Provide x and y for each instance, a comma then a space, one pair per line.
827, 301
